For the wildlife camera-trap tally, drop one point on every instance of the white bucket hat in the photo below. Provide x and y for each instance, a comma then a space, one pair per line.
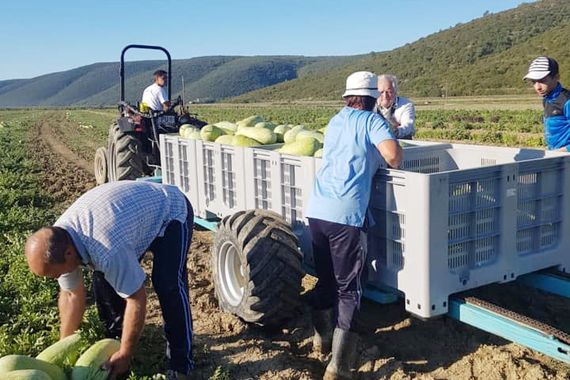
362, 83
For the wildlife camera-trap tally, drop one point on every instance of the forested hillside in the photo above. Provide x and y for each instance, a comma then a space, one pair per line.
488, 55
205, 79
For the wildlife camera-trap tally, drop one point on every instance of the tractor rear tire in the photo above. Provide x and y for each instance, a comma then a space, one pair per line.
100, 166
257, 268
125, 154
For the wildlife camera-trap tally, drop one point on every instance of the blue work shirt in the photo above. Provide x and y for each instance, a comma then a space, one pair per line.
113, 225
341, 192
557, 118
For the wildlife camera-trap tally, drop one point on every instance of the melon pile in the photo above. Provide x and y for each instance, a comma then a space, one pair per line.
255, 131
50, 363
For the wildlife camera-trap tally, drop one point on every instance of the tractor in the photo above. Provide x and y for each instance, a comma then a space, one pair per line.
133, 143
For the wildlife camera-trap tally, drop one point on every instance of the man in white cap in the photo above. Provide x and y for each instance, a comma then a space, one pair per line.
356, 141
544, 75
399, 112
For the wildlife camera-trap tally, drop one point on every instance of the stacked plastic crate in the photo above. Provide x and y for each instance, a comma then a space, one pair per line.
455, 217
452, 218
222, 179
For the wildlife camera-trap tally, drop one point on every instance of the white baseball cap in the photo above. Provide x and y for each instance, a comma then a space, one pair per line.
541, 67
362, 83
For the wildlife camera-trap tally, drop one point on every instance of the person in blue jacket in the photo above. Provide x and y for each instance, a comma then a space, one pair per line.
545, 77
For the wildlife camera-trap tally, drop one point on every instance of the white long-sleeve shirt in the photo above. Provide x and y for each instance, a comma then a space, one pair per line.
402, 115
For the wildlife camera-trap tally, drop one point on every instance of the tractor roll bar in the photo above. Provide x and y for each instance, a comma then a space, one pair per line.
149, 47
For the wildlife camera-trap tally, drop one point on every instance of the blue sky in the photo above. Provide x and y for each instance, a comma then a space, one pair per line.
39, 37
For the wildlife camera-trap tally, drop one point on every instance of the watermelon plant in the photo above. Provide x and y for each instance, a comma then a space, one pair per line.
28, 312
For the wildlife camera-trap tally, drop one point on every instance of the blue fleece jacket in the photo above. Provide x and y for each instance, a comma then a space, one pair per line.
557, 118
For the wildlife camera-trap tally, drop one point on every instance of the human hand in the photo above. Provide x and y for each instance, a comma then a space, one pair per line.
118, 364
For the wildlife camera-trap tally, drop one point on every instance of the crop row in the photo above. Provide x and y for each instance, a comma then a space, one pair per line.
526, 121
492, 127
28, 312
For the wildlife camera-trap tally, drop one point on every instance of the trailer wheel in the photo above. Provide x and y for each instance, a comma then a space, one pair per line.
100, 166
257, 267
125, 154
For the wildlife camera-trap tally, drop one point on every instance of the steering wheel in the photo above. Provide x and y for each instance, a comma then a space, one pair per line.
177, 102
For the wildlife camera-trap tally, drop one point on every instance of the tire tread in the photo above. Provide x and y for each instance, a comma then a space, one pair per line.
273, 266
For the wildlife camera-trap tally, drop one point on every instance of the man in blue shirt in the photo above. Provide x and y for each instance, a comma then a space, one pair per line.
109, 229
357, 142
544, 75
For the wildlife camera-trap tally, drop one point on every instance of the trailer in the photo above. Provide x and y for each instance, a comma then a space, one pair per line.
453, 217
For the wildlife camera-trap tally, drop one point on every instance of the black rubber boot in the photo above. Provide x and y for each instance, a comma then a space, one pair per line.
323, 324
344, 356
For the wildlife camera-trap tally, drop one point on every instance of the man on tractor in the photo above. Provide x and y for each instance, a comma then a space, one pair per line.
133, 146
155, 96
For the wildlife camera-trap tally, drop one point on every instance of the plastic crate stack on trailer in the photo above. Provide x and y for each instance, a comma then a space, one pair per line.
222, 179
455, 217
452, 218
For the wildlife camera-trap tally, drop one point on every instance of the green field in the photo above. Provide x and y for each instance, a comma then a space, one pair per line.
503, 121
28, 307
29, 320
28, 313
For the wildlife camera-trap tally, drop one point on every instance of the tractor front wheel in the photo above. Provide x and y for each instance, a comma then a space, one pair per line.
125, 154
100, 166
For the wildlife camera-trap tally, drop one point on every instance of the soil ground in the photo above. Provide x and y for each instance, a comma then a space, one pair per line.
396, 345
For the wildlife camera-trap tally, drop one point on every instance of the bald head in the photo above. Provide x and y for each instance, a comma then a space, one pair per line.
50, 252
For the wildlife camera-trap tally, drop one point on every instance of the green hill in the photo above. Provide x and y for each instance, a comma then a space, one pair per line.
205, 78
486, 55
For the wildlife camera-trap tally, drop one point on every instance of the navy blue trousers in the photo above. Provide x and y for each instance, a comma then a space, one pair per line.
339, 251
170, 281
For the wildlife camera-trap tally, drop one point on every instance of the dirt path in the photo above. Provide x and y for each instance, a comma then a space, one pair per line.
53, 139
66, 175
396, 346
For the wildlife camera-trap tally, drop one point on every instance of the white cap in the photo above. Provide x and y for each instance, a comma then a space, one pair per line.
362, 83
541, 67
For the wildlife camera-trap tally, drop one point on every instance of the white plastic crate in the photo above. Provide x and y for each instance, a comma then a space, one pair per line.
452, 218
456, 217
179, 167
222, 179
213, 172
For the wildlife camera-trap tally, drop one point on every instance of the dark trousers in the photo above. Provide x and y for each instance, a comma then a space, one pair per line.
170, 281
340, 262
110, 306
